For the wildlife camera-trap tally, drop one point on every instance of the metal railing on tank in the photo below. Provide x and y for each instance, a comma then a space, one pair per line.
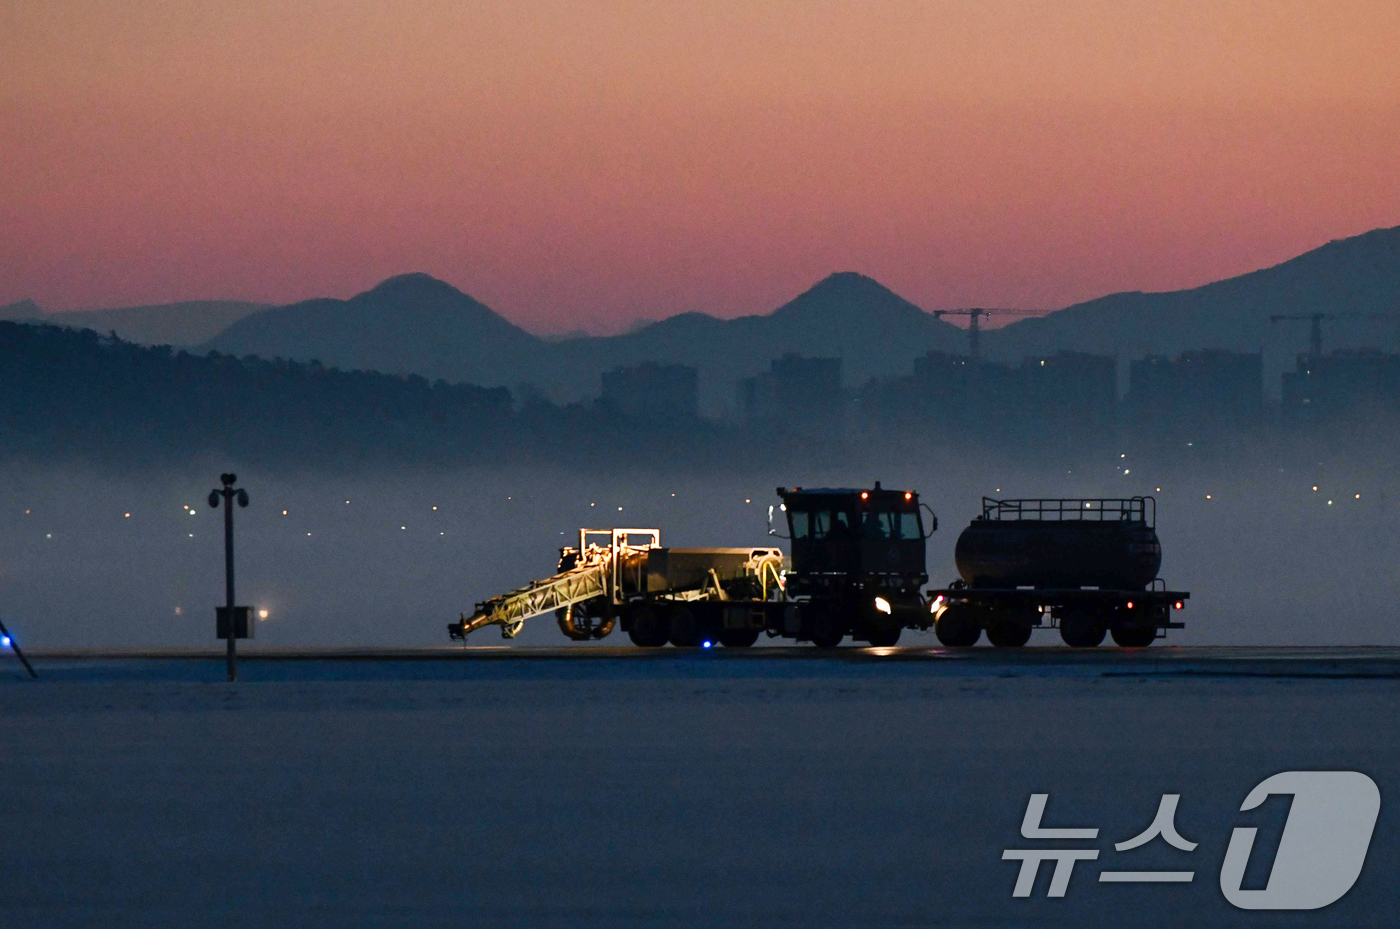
1098, 509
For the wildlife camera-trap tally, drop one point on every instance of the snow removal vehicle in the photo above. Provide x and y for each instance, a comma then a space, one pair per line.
857, 565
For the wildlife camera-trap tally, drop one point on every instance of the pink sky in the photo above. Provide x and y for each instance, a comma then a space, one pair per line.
580, 165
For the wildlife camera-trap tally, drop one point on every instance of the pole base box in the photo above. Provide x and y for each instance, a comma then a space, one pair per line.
242, 622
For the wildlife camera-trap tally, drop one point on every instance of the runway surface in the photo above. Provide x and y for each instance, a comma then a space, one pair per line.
783, 661
621, 787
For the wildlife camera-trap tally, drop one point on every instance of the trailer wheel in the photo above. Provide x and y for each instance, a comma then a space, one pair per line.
1008, 633
1136, 635
1081, 629
685, 628
647, 629
956, 628
738, 638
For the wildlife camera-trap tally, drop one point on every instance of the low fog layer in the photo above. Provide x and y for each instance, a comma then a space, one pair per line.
1269, 561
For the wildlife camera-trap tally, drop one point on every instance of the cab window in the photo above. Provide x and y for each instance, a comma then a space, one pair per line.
881, 525
826, 523
892, 525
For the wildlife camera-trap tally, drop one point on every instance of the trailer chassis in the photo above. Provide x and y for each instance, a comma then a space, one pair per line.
1083, 615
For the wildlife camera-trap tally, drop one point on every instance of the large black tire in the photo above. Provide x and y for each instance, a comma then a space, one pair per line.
885, 638
684, 628
1009, 633
647, 630
1080, 628
1135, 635
826, 631
738, 638
956, 628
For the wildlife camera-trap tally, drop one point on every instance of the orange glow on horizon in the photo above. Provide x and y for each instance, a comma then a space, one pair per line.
582, 165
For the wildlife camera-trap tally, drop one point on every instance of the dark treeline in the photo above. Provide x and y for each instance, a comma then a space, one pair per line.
73, 395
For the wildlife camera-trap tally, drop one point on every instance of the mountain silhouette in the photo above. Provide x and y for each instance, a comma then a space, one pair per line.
1359, 275
409, 324
846, 315
414, 324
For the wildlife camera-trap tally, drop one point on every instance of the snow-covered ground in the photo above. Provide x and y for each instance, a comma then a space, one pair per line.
676, 792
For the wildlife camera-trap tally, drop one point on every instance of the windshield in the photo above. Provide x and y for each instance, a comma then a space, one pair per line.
892, 525
820, 524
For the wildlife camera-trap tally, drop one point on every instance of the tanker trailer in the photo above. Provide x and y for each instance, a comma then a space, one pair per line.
1089, 565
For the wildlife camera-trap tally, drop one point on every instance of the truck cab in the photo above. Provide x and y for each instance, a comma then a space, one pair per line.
858, 557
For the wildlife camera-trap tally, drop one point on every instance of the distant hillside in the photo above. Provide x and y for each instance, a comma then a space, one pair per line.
1356, 275
416, 324
72, 395
410, 324
872, 329
177, 324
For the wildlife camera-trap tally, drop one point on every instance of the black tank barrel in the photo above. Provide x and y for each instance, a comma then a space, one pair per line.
1061, 543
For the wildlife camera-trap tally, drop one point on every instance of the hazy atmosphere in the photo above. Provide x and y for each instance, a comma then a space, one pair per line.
415, 292
1267, 559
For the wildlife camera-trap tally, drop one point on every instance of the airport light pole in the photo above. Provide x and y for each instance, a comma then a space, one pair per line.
226, 496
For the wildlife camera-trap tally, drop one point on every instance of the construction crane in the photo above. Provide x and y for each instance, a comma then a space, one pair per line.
974, 330
1315, 334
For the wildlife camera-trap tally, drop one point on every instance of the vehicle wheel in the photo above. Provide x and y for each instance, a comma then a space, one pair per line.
885, 638
647, 629
826, 632
737, 638
1081, 629
1135, 635
956, 628
1008, 633
684, 628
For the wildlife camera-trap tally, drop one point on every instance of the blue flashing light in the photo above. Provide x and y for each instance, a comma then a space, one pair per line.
4, 641
706, 644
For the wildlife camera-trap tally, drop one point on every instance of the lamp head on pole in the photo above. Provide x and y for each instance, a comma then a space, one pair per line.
214, 499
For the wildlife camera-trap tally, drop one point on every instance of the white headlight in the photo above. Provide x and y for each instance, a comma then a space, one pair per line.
882, 605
